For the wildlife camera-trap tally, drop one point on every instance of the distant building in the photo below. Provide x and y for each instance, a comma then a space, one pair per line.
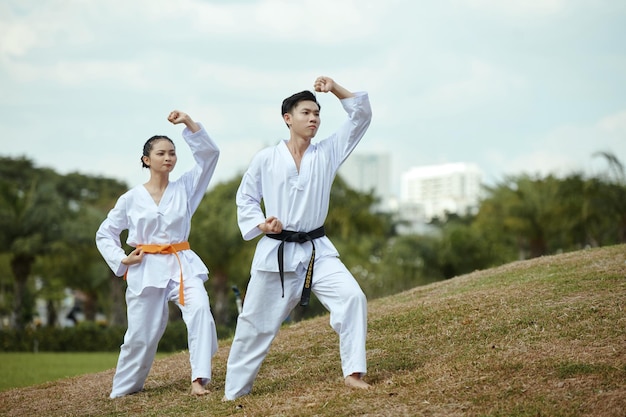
369, 172
433, 191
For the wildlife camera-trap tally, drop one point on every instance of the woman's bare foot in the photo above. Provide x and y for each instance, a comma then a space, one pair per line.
197, 388
355, 381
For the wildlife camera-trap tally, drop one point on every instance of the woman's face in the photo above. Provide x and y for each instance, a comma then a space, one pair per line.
162, 157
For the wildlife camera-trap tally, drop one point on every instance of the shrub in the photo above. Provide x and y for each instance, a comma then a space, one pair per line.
90, 337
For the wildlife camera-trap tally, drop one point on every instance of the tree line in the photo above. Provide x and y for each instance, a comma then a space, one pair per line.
48, 223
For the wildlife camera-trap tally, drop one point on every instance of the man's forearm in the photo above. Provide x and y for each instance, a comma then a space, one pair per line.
341, 92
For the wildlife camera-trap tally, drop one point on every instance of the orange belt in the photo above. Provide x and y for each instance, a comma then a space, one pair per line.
165, 249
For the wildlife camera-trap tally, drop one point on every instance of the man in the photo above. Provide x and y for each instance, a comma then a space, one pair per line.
294, 179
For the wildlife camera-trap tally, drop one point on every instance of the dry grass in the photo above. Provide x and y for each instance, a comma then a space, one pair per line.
545, 337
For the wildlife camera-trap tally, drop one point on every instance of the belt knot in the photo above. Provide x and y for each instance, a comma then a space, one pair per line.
165, 249
298, 237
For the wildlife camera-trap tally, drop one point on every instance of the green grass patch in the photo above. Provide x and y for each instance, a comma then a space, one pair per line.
574, 369
26, 369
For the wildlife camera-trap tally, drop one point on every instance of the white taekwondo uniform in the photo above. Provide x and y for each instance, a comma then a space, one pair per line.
300, 201
156, 280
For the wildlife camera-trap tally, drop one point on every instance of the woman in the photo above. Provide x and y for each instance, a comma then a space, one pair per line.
162, 267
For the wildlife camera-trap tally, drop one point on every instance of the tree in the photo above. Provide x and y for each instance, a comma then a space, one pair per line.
6, 288
77, 259
45, 214
31, 211
359, 233
406, 262
523, 208
462, 249
216, 238
614, 195
549, 214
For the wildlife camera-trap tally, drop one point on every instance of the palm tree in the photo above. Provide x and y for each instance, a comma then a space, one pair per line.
31, 216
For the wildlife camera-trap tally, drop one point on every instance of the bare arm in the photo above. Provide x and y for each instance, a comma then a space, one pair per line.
177, 116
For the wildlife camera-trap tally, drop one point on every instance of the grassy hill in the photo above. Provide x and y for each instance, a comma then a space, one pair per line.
544, 337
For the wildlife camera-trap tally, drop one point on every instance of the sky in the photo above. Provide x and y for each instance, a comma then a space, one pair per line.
517, 87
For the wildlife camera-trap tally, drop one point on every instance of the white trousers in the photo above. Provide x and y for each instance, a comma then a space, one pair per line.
264, 310
147, 319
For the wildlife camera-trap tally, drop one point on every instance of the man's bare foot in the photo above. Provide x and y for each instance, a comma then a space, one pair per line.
355, 381
197, 388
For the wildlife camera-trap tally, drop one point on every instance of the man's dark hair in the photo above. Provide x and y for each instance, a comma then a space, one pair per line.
292, 101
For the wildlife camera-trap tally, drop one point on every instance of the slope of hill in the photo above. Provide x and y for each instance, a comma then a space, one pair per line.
544, 337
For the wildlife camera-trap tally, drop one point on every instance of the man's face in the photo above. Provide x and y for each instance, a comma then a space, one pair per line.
304, 119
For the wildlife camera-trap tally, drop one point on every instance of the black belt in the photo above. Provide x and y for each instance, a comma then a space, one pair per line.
298, 237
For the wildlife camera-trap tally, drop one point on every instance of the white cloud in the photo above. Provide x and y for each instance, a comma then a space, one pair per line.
28, 25
461, 81
520, 8
16, 39
476, 82
571, 148
83, 72
615, 125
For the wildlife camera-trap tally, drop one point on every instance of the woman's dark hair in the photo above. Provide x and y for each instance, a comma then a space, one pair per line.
292, 101
147, 147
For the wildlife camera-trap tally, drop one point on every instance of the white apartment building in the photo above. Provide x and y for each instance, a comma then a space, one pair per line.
432, 191
367, 172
